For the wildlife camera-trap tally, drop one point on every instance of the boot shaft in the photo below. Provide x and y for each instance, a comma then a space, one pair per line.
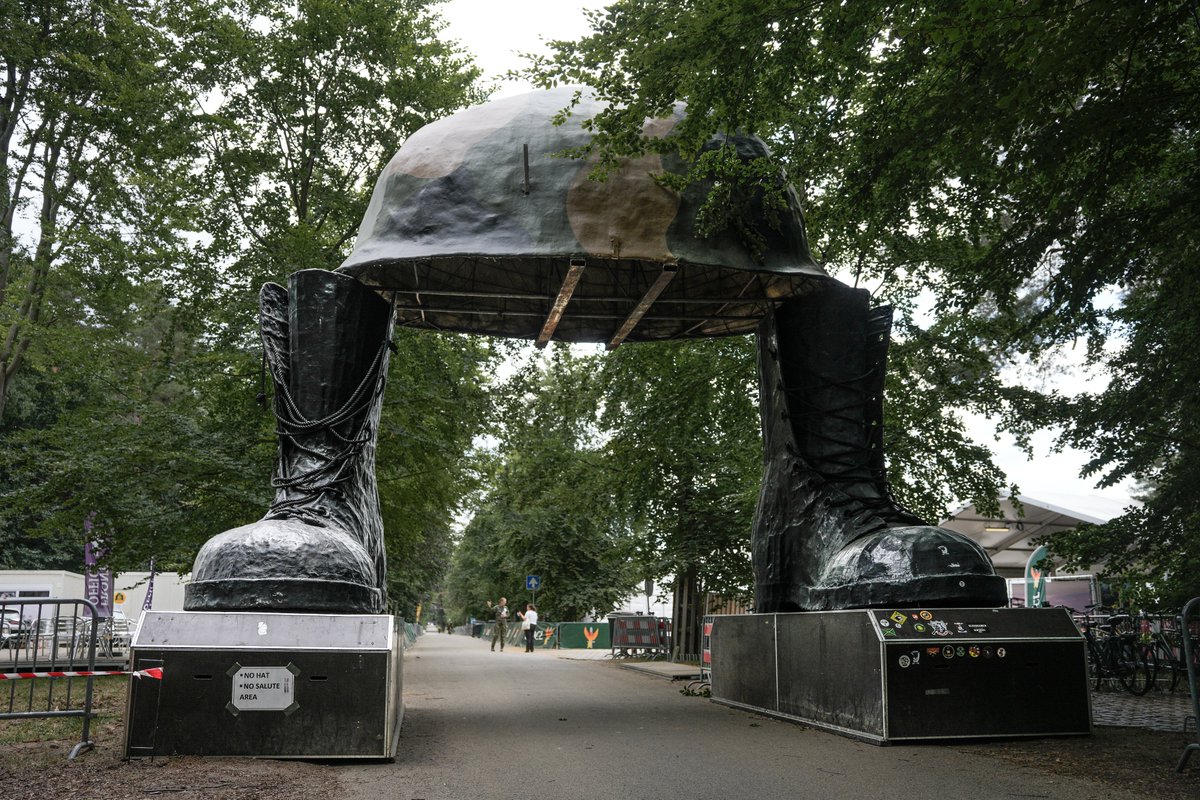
336, 328
827, 532
822, 363
326, 338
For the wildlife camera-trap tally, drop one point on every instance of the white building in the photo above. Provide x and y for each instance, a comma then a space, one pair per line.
129, 588
1008, 539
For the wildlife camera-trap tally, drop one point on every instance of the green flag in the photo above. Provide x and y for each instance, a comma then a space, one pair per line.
1035, 578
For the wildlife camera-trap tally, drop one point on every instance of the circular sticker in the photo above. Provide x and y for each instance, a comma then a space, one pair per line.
904, 662
948, 651
919, 628
119, 598
883, 623
960, 651
974, 651
1001, 652
925, 615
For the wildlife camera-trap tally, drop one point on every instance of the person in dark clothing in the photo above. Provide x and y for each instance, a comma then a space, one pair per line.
529, 625
500, 614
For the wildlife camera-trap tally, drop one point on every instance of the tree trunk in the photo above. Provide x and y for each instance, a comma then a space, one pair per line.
685, 619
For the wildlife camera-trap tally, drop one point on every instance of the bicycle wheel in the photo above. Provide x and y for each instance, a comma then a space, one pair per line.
1170, 668
1134, 669
1095, 664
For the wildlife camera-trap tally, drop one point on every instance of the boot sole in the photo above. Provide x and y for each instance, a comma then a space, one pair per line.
942, 591
282, 594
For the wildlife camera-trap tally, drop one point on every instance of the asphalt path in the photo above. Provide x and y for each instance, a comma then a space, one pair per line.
480, 725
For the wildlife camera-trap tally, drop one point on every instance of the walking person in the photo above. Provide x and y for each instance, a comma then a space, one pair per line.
500, 614
529, 625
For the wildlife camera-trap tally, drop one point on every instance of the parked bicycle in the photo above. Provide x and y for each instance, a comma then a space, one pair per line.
1115, 653
1163, 635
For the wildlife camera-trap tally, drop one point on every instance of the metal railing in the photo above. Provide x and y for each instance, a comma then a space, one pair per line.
1191, 612
39, 639
640, 636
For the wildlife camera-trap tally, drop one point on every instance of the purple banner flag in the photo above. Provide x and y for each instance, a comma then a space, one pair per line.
98, 589
97, 583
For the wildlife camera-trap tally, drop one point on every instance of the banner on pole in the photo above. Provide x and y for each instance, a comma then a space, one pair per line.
1035, 578
97, 583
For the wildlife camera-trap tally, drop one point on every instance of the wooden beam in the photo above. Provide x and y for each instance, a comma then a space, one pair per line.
682, 301
635, 316
416, 294
483, 312
574, 273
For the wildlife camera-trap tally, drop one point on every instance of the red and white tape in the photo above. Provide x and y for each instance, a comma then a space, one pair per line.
155, 672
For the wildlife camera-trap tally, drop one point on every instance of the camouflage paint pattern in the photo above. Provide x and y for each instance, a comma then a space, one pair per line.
451, 229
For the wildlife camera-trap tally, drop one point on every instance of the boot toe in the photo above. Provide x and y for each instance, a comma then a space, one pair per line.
283, 565
917, 565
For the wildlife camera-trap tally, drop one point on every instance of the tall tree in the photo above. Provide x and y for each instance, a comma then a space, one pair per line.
95, 149
547, 508
684, 457
143, 413
438, 400
1006, 164
1146, 425
314, 98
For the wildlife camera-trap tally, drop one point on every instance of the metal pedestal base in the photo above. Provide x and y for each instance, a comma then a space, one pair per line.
890, 675
265, 684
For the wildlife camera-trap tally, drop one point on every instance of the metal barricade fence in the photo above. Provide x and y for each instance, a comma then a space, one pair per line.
706, 648
1191, 657
43, 644
410, 631
639, 635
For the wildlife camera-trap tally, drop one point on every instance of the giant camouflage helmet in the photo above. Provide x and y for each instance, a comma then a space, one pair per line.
481, 224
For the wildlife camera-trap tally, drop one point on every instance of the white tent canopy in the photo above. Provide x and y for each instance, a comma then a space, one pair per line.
1009, 539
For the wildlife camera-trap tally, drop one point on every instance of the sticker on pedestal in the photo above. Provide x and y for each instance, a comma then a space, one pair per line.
263, 689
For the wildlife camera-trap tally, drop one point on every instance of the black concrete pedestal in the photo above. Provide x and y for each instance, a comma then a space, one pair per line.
265, 684
888, 675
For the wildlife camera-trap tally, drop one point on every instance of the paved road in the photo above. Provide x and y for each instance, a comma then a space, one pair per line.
493, 726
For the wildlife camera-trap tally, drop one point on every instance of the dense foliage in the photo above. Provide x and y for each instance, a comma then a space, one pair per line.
1009, 167
1017, 177
616, 468
161, 161
547, 510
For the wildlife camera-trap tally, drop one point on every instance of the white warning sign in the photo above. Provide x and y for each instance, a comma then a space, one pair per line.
263, 689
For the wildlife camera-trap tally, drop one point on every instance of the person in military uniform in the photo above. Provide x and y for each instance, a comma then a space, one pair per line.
500, 630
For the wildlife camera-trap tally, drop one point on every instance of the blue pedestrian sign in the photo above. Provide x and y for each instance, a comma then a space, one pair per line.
533, 582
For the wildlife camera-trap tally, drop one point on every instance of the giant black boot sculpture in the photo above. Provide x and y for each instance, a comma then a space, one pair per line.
320, 546
828, 534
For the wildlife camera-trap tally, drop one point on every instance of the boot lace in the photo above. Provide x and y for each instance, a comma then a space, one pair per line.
853, 464
292, 426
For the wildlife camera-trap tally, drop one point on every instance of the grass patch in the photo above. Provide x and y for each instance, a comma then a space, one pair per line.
42, 694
